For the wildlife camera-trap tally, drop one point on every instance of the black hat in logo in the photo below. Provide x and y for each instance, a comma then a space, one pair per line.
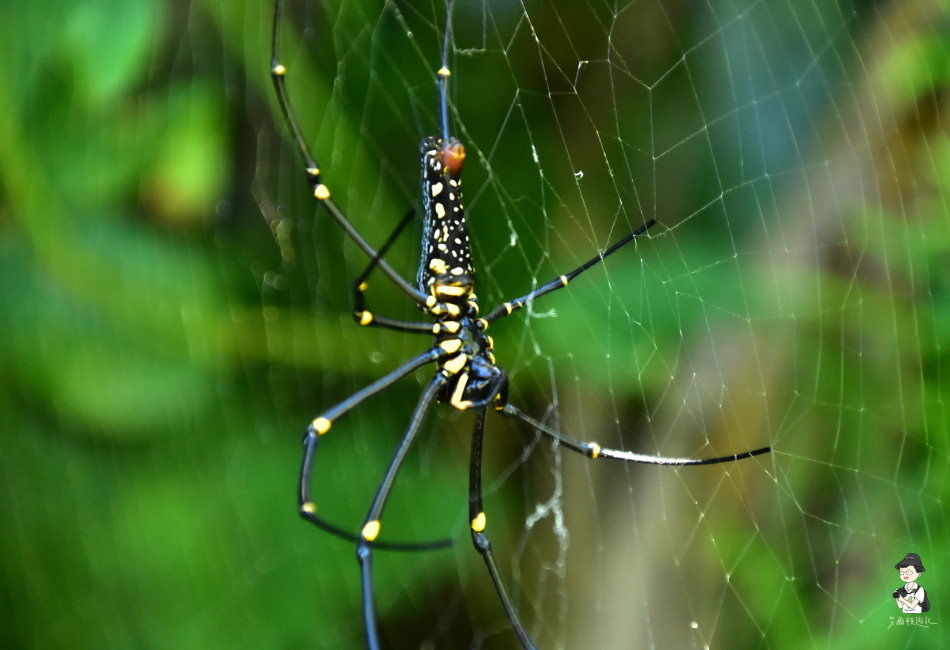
911, 559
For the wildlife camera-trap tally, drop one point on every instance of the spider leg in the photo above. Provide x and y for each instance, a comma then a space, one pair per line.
508, 308
366, 318
320, 191
322, 424
593, 450
443, 74
308, 509
371, 525
477, 521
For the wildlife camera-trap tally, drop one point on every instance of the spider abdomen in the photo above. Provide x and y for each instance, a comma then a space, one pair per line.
446, 250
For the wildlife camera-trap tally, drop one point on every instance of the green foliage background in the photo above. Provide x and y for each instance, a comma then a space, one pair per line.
174, 310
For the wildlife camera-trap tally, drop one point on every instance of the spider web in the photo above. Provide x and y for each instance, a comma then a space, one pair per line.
766, 308
173, 326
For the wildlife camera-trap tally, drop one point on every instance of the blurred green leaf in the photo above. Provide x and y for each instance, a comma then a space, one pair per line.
108, 45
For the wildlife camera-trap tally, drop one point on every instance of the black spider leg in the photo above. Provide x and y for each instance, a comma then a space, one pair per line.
443, 73
321, 425
478, 523
371, 524
320, 191
594, 450
367, 318
511, 306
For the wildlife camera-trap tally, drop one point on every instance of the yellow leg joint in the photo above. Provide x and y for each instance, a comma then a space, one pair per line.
479, 522
322, 192
322, 425
370, 530
309, 507
594, 449
366, 318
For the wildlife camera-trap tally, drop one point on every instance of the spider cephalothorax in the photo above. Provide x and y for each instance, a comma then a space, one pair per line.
475, 380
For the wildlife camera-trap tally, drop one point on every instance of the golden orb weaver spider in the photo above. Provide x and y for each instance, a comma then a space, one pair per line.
466, 375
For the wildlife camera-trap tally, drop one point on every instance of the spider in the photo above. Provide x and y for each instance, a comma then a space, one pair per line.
466, 376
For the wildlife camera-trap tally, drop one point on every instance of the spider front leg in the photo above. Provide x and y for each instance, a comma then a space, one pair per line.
478, 523
594, 451
371, 525
322, 424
